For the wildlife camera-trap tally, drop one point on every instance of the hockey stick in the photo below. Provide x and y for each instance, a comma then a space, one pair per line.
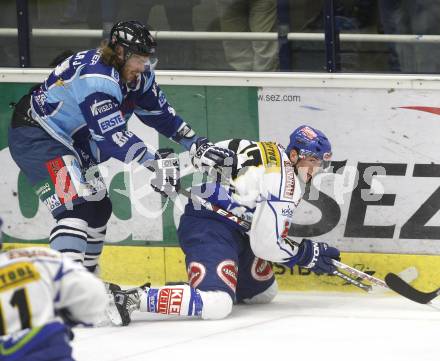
360, 274
353, 271
353, 281
212, 207
399, 286
246, 225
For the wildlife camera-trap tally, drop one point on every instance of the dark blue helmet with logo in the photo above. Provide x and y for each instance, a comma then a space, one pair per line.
310, 142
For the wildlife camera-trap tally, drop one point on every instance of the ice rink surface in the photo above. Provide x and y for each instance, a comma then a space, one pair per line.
295, 327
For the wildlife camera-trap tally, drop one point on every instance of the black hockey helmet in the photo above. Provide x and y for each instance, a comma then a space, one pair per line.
134, 37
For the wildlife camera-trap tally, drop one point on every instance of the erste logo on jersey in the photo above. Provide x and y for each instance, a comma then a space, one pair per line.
196, 274
228, 273
110, 122
261, 270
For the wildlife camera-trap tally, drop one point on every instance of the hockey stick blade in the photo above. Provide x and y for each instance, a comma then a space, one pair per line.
399, 286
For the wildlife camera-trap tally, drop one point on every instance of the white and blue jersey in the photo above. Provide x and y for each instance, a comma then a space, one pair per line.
266, 191
85, 106
37, 285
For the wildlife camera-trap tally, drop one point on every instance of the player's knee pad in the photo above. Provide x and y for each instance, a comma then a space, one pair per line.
216, 304
70, 237
264, 297
95, 213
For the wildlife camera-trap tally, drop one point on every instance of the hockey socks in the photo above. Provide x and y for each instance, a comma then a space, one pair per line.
181, 300
95, 243
69, 236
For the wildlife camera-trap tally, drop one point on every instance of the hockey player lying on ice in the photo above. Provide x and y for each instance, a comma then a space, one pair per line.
225, 264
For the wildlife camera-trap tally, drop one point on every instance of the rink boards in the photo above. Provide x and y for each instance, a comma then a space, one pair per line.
135, 265
379, 203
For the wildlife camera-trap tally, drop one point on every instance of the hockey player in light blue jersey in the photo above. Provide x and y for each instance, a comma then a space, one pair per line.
225, 262
42, 295
78, 118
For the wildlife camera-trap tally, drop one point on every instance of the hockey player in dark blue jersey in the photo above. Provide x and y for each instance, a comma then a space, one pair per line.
77, 119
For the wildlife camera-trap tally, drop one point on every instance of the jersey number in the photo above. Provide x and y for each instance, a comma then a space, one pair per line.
253, 156
19, 299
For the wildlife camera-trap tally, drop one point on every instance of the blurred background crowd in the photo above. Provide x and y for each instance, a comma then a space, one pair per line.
419, 17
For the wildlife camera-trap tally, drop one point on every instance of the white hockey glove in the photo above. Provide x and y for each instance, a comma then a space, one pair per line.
167, 170
206, 156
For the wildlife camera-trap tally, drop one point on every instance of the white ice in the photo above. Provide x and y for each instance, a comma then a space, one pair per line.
295, 327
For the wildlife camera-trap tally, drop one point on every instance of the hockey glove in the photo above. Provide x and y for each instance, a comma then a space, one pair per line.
205, 156
166, 167
317, 256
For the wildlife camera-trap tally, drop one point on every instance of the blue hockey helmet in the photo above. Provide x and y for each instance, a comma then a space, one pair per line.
310, 142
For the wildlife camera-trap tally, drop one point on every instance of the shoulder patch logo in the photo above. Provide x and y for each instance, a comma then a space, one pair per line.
270, 155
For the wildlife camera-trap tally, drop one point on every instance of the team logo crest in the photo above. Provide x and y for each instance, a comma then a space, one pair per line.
228, 273
196, 274
309, 133
261, 270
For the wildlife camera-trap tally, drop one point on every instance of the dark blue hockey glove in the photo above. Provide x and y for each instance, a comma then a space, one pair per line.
317, 256
205, 156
